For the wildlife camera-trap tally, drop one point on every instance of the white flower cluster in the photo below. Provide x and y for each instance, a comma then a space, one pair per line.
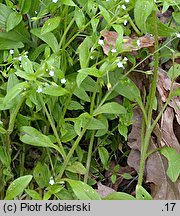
122, 62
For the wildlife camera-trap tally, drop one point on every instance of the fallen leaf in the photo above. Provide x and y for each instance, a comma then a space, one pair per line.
129, 44
103, 190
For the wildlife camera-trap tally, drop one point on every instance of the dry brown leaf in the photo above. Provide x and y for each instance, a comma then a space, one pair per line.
103, 190
163, 87
167, 132
129, 44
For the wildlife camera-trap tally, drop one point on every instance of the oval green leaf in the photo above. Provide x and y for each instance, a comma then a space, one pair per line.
83, 191
17, 187
111, 107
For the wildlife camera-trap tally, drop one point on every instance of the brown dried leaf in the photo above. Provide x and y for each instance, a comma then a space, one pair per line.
129, 44
163, 87
167, 131
103, 190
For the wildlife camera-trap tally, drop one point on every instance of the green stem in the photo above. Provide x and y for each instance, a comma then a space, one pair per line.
88, 163
53, 127
151, 98
69, 155
134, 26
65, 33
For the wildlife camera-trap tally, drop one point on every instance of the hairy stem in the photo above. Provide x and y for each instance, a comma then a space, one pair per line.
151, 99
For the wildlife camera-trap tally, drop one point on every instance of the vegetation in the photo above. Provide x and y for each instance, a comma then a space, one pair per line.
74, 75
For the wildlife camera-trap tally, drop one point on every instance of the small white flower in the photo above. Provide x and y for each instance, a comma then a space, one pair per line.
127, 1
55, 1
19, 58
138, 43
11, 51
113, 50
125, 22
63, 81
125, 59
123, 7
51, 73
39, 90
101, 42
91, 57
154, 0
46, 70
35, 12
120, 64
26, 56
51, 181
178, 35
20, 66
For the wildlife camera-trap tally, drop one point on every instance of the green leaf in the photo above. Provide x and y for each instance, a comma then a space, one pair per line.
119, 196
33, 137
17, 187
55, 90
42, 175
84, 119
9, 44
173, 157
83, 73
33, 194
96, 124
82, 190
76, 167
50, 25
5, 11
176, 92
74, 105
48, 38
68, 2
174, 71
128, 89
105, 14
104, 156
163, 30
81, 93
126, 176
142, 10
4, 157
25, 76
84, 53
119, 40
79, 18
27, 65
16, 90
123, 130
24, 6
142, 194
70, 133
111, 107
2, 130
13, 20
176, 16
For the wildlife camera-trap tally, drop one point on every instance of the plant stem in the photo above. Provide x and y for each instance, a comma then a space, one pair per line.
69, 155
151, 98
63, 153
134, 26
88, 163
